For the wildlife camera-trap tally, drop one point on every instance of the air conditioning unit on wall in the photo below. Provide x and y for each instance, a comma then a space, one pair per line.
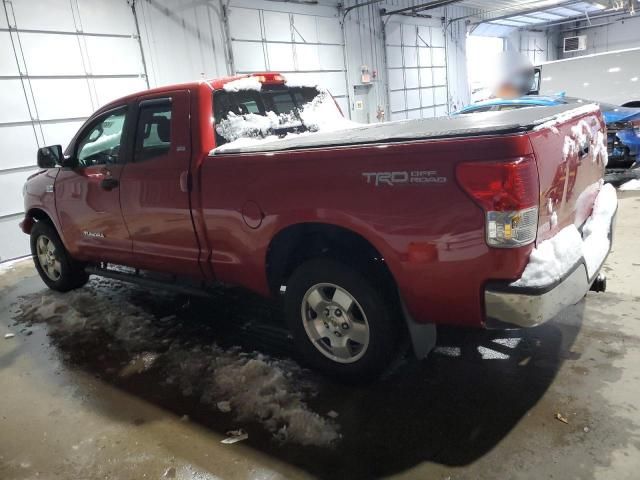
575, 44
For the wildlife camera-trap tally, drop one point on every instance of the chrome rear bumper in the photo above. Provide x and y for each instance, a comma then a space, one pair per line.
517, 308
521, 307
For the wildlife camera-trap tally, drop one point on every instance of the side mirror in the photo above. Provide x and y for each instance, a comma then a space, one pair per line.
49, 157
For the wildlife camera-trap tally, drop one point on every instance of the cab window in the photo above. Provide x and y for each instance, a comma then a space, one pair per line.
153, 131
100, 145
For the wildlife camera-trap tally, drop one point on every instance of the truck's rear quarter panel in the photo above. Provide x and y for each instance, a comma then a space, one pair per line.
569, 181
431, 234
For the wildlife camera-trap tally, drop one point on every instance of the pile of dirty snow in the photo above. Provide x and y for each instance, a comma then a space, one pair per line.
253, 387
630, 185
319, 115
553, 258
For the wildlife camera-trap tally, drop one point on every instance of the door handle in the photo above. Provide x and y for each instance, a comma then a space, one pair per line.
109, 183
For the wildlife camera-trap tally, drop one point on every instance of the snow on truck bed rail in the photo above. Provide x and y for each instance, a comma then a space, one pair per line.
331, 133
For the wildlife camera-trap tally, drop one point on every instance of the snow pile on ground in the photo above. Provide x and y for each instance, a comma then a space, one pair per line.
246, 83
554, 257
258, 388
319, 115
630, 185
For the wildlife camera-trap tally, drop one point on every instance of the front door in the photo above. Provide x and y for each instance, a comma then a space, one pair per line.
155, 186
88, 196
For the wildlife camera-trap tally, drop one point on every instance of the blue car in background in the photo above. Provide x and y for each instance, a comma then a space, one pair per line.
623, 124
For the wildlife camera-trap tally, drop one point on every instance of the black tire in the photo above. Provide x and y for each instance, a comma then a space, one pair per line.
69, 274
371, 298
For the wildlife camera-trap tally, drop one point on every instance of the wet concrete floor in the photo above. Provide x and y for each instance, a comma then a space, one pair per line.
482, 406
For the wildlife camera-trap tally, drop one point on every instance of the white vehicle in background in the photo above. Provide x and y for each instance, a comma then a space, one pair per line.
612, 77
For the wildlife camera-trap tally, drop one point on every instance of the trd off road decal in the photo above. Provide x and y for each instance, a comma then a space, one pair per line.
401, 178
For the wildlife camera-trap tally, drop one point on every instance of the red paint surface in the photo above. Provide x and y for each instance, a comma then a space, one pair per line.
431, 235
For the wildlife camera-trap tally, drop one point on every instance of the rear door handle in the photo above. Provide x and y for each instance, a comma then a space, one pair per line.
109, 183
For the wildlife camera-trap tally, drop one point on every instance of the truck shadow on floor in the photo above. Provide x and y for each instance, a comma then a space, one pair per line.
450, 409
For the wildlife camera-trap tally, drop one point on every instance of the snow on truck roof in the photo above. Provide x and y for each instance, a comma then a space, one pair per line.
485, 123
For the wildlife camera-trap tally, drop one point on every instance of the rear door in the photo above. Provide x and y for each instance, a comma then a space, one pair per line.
155, 186
88, 196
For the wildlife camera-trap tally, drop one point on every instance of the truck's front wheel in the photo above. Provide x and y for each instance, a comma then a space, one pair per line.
342, 323
54, 264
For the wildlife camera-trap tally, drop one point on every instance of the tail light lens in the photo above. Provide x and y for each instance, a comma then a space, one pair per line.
508, 193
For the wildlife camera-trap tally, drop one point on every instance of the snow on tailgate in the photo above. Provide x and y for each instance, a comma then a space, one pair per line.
552, 259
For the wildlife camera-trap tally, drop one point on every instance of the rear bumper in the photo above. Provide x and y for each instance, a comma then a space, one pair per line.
521, 307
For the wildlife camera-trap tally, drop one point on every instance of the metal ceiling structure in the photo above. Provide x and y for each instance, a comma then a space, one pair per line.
500, 17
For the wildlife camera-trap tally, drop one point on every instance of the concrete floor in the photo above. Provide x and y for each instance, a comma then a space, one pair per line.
482, 406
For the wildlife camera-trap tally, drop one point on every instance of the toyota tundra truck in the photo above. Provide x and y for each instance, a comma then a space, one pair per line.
367, 234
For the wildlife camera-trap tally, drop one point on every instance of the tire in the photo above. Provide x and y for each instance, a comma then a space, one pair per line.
54, 264
357, 345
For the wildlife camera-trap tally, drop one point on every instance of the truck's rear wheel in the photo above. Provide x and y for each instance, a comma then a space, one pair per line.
342, 324
54, 264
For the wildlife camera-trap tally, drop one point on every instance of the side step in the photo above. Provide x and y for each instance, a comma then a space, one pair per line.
172, 283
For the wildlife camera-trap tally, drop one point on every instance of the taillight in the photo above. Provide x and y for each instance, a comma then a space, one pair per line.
508, 193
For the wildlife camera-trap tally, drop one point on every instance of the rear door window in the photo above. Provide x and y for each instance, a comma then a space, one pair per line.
153, 131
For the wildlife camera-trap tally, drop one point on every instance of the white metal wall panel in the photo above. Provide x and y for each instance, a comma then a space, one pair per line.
20, 141
109, 17
43, 54
301, 45
13, 240
416, 70
60, 60
183, 41
14, 106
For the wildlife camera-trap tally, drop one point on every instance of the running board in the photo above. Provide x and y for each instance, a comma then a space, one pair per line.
174, 284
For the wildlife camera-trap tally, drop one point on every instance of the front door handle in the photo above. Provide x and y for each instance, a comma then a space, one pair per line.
109, 183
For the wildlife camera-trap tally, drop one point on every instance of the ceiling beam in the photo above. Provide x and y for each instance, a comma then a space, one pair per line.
420, 8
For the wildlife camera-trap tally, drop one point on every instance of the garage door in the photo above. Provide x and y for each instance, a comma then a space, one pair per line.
59, 61
306, 47
416, 70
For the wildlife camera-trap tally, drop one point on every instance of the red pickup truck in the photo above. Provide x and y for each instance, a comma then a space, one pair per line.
368, 232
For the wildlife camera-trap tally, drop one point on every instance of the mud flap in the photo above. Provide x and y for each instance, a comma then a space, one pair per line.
423, 335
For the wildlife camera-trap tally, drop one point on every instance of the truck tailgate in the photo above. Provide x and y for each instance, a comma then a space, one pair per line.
571, 154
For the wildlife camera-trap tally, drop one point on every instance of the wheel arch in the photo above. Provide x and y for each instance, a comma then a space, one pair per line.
297, 243
36, 214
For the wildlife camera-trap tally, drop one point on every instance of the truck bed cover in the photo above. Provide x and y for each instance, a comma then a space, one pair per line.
475, 124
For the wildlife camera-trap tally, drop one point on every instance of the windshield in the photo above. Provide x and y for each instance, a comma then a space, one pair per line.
274, 110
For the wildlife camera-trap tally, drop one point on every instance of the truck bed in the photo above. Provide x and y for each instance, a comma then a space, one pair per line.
481, 124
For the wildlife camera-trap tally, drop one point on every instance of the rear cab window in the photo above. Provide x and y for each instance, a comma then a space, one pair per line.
274, 110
